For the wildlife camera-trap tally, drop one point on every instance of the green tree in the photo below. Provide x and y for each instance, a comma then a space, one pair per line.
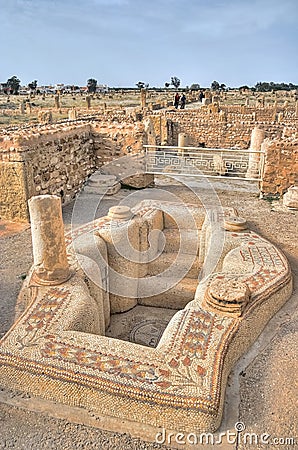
265, 86
91, 85
167, 84
33, 85
175, 82
195, 87
215, 85
142, 85
13, 84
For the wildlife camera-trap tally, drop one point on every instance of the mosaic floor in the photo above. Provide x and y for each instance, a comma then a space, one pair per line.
143, 325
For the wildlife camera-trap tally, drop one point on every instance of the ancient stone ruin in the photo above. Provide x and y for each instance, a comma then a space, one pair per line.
59, 158
158, 254
217, 282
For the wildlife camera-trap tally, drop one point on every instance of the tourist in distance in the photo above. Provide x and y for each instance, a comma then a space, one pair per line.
176, 100
182, 101
201, 96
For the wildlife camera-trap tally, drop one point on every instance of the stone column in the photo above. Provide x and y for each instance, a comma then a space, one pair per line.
72, 114
49, 252
257, 138
143, 98
22, 107
88, 101
182, 142
57, 101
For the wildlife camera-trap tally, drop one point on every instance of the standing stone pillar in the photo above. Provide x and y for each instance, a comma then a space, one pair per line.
72, 114
164, 131
49, 252
22, 107
257, 138
57, 101
182, 142
143, 98
88, 101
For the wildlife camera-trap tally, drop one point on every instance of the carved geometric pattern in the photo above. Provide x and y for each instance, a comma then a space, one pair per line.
221, 163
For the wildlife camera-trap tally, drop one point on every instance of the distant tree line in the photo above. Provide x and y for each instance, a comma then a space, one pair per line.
13, 84
265, 86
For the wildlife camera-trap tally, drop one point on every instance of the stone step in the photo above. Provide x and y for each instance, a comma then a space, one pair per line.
101, 190
175, 266
189, 240
101, 180
170, 294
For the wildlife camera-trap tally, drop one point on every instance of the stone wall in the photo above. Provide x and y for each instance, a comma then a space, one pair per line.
281, 165
223, 129
53, 161
13, 191
232, 127
57, 159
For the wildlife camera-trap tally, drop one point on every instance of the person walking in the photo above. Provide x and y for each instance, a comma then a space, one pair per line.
176, 100
182, 101
201, 96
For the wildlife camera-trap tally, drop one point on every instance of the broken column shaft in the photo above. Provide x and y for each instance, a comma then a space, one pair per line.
49, 252
257, 138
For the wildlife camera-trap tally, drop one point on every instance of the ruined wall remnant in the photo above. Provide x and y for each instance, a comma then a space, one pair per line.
229, 127
13, 191
57, 159
281, 165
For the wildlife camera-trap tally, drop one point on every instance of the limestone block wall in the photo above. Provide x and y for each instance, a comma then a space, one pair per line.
59, 163
57, 159
52, 160
281, 165
216, 129
232, 127
13, 190
113, 139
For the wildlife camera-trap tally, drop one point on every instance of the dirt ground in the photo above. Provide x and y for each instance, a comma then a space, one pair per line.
262, 391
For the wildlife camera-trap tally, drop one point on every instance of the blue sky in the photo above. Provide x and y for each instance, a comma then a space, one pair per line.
121, 42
